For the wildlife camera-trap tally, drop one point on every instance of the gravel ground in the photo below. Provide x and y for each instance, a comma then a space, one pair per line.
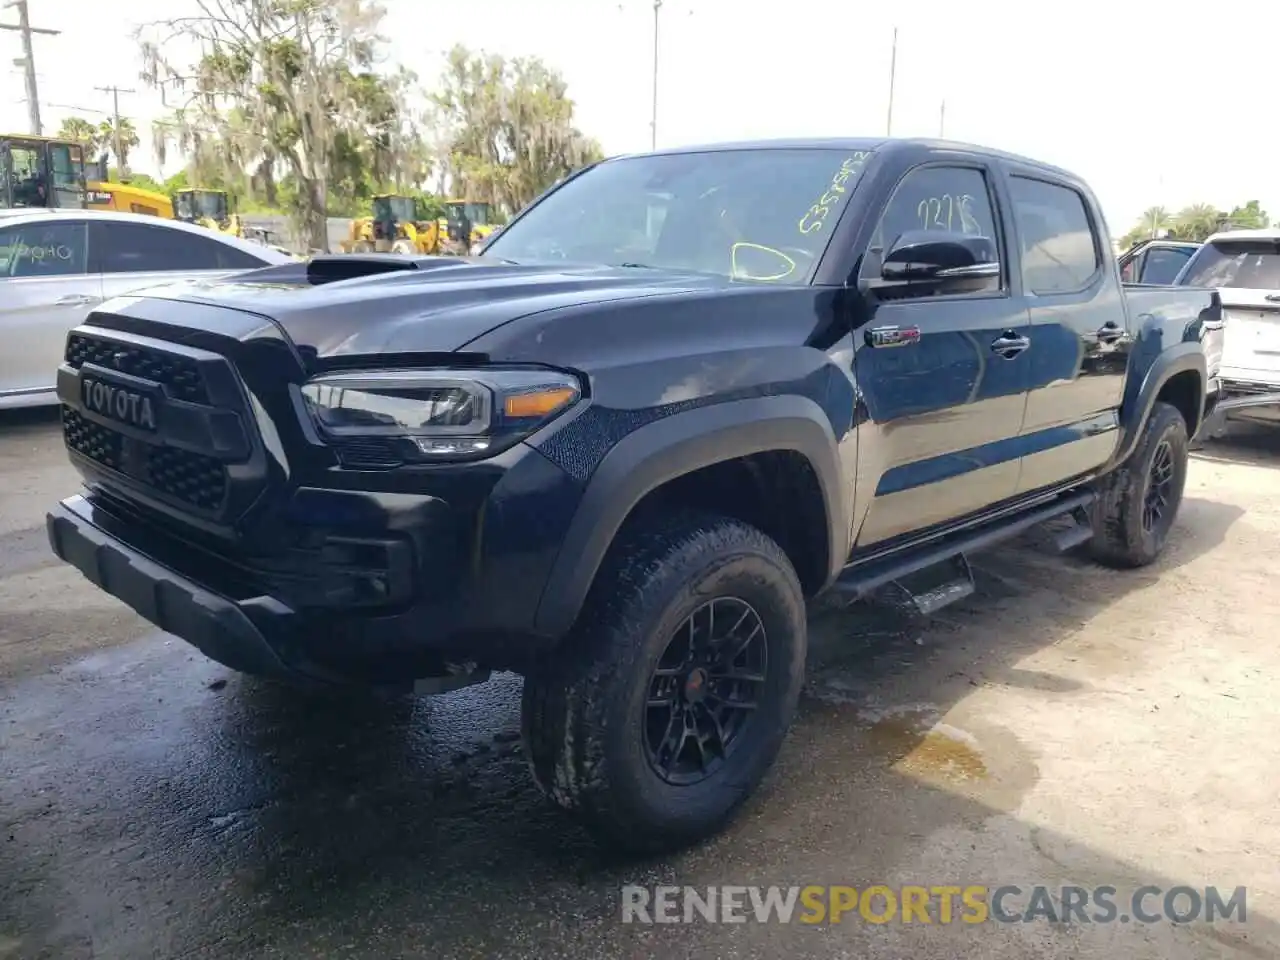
1067, 725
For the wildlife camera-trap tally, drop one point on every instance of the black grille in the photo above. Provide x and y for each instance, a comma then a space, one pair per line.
191, 478
180, 376
95, 442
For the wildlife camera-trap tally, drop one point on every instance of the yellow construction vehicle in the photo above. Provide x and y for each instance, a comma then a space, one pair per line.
41, 172
467, 225
50, 172
102, 194
212, 210
392, 229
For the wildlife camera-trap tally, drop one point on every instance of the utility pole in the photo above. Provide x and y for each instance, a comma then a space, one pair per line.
942, 120
893, 67
653, 124
115, 122
28, 61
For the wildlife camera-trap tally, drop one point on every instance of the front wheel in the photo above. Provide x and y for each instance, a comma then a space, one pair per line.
670, 700
1138, 502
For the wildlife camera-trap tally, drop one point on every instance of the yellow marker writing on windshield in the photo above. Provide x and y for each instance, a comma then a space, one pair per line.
813, 217
739, 274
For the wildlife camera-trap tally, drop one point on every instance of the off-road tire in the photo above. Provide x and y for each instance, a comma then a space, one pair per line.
1119, 538
584, 709
363, 246
403, 246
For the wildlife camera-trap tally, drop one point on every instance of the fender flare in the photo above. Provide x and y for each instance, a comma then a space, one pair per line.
1180, 358
679, 444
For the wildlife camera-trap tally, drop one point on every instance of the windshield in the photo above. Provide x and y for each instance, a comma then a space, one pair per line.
211, 204
400, 209
744, 214
1247, 264
26, 183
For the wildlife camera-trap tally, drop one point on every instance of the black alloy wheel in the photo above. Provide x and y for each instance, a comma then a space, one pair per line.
705, 690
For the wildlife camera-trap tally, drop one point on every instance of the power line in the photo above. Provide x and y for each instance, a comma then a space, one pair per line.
23, 26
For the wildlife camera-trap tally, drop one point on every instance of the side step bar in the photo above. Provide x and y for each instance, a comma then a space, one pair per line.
944, 566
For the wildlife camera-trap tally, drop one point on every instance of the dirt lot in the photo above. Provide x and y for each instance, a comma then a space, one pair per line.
1067, 725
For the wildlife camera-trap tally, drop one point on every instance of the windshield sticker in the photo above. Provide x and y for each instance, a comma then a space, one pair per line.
816, 215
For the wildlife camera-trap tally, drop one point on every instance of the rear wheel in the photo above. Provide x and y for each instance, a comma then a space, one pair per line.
363, 246
402, 246
670, 700
1139, 501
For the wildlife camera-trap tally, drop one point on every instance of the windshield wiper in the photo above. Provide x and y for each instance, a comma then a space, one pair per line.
639, 266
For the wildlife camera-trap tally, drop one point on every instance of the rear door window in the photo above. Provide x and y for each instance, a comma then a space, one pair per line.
143, 248
1163, 263
1247, 264
1059, 249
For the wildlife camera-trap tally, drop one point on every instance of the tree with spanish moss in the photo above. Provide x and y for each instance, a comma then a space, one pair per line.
278, 83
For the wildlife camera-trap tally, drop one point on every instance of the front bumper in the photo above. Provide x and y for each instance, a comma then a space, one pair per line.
231, 632
379, 590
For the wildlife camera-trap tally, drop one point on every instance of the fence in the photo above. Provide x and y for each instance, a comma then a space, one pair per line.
284, 234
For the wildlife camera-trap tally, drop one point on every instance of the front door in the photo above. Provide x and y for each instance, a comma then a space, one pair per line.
44, 292
943, 387
1080, 344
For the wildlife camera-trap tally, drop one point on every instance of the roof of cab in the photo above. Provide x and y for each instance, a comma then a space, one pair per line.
879, 145
1258, 233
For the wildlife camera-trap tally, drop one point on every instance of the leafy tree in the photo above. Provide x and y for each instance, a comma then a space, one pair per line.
278, 82
506, 128
1250, 216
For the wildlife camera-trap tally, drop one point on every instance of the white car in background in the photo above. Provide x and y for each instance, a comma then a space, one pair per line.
58, 265
1244, 266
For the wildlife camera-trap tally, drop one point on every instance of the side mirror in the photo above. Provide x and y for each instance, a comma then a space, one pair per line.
936, 256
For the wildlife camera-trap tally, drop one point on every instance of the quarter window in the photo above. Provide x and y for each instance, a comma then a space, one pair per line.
1059, 252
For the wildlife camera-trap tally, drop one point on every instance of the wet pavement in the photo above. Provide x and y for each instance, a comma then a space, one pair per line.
1067, 725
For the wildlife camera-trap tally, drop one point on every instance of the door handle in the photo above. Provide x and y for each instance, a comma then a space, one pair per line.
75, 299
1110, 332
1010, 344
892, 336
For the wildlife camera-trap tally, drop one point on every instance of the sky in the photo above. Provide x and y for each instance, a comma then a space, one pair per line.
1152, 103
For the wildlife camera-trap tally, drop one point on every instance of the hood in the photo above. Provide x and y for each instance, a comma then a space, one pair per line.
439, 304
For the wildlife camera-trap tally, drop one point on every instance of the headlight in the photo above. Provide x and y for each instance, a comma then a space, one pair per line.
425, 416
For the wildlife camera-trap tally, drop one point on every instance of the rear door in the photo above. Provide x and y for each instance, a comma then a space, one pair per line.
946, 398
1246, 272
1080, 344
135, 255
45, 290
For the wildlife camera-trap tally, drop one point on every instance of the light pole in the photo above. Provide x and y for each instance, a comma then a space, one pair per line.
893, 67
653, 123
23, 26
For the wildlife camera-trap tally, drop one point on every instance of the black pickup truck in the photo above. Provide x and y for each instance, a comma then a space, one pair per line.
679, 396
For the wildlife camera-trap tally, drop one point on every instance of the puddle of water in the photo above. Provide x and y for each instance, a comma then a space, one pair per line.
926, 749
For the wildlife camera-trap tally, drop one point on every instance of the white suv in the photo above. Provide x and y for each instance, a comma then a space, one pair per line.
1244, 266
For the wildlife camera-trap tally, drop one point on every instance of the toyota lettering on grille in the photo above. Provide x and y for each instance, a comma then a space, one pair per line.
118, 403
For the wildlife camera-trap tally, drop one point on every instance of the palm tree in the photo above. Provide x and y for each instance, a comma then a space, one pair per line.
82, 132
1153, 220
121, 139
1198, 221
